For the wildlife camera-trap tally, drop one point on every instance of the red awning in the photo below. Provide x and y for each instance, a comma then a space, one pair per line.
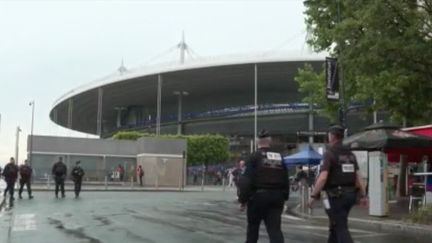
414, 154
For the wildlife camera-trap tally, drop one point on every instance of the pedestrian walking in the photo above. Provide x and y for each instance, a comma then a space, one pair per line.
237, 173
25, 172
59, 171
10, 173
77, 176
121, 172
140, 174
231, 177
195, 176
264, 188
339, 183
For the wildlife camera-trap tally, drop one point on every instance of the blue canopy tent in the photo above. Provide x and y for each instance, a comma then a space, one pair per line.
307, 156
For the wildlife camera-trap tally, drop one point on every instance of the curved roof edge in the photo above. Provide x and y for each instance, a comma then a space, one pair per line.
235, 59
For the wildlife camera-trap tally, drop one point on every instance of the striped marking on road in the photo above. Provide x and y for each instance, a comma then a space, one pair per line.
292, 217
24, 222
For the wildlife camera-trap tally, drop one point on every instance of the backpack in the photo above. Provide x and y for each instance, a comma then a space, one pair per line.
60, 170
10, 171
25, 171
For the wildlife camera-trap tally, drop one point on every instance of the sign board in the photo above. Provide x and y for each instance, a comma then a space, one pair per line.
332, 79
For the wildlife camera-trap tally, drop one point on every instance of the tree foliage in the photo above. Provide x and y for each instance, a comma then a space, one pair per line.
385, 49
309, 83
201, 149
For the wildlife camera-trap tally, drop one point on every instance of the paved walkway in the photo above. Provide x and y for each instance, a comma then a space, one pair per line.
111, 217
397, 220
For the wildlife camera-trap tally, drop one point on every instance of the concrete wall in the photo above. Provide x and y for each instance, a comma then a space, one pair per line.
99, 156
69, 145
162, 171
161, 146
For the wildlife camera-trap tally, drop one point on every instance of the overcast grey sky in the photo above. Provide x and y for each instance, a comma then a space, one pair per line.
49, 47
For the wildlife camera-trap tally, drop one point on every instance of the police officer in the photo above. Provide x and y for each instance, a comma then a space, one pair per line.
264, 188
340, 182
25, 172
59, 170
10, 173
77, 175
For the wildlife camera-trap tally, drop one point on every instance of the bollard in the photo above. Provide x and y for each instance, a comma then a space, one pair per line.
48, 183
132, 182
223, 184
106, 183
302, 208
309, 193
203, 177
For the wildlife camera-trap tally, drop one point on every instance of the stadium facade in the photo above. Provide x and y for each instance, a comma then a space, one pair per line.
212, 95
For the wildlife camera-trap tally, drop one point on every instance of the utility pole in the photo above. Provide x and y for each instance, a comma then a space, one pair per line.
32, 104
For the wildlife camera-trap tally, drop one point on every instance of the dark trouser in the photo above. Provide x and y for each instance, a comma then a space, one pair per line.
25, 182
59, 183
267, 206
10, 187
77, 184
141, 181
338, 217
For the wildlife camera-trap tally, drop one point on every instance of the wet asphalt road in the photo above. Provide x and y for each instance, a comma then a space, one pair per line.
151, 217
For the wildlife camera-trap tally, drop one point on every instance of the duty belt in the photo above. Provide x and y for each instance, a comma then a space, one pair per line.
267, 190
338, 191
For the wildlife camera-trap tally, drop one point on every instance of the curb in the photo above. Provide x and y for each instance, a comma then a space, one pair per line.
387, 225
114, 190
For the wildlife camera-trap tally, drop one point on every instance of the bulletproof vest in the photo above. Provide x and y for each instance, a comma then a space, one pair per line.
342, 171
270, 171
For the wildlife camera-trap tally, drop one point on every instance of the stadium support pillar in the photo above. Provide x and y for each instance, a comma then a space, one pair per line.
159, 105
119, 113
99, 112
55, 115
70, 114
180, 95
255, 105
179, 115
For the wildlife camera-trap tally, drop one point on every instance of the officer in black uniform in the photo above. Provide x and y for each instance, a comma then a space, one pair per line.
340, 182
77, 175
25, 172
264, 188
10, 173
59, 170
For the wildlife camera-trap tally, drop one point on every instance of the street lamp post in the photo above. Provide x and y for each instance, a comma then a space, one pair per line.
32, 104
18, 130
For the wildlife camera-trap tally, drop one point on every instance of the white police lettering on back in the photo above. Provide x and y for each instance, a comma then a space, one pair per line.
274, 156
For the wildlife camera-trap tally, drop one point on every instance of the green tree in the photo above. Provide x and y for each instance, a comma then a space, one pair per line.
385, 50
309, 83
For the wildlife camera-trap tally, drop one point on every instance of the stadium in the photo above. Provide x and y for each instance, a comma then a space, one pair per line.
201, 96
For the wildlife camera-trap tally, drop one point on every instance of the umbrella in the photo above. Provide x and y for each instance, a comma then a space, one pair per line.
387, 138
307, 156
